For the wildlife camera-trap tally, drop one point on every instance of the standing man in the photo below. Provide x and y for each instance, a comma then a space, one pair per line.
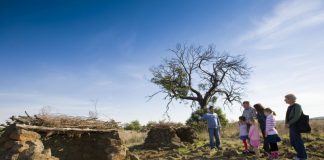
249, 113
213, 127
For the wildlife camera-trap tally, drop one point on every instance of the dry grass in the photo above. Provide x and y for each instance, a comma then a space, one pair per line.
232, 130
229, 141
131, 138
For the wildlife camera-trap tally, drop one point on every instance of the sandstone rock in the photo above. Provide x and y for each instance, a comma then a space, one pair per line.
47, 152
23, 135
35, 146
133, 157
20, 144
42, 157
159, 137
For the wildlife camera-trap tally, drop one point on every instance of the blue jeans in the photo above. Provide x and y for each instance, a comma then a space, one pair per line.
214, 133
297, 142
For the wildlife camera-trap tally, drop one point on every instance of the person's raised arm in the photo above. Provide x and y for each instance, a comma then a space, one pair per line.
204, 117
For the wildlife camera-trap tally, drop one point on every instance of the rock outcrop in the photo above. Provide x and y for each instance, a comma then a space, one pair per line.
169, 137
23, 142
20, 144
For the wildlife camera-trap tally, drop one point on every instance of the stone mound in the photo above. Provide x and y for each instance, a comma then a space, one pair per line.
162, 137
20, 144
186, 134
168, 137
23, 142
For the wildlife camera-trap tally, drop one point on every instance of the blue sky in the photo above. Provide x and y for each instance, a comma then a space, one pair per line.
65, 54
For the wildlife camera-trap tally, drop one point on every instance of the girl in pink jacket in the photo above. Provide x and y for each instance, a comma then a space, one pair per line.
254, 136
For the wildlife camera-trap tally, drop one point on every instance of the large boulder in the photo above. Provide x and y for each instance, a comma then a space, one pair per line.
162, 137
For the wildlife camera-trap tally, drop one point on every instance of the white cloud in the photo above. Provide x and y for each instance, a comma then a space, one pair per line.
288, 18
285, 46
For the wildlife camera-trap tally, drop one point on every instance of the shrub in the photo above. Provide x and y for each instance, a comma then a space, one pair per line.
134, 125
200, 125
151, 124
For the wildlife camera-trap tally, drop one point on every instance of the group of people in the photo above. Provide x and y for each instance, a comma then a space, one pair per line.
249, 130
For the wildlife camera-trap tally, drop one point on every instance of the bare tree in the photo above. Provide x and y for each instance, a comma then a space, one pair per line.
199, 75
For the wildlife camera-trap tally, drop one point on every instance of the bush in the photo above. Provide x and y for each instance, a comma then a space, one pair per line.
200, 125
134, 125
150, 124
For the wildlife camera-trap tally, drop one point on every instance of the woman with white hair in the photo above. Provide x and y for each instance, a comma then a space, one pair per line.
293, 114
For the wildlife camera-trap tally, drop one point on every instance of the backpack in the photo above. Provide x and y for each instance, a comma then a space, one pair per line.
302, 125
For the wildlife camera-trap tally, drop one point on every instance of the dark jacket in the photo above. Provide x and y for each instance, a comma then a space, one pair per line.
261, 119
293, 114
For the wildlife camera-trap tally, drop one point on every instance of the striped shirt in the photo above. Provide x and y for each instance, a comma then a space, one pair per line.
270, 125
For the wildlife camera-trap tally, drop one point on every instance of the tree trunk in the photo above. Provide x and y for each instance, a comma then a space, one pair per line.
203, 104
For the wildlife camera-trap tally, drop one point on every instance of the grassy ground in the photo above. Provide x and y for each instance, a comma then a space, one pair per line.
232, 146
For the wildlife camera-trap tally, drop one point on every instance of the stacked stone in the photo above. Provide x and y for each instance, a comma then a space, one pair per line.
186, 134
169, 137
88, 145
20, 144
162, 137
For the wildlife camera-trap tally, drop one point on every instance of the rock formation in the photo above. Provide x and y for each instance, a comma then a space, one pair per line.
20, 144
169, 137
23, 142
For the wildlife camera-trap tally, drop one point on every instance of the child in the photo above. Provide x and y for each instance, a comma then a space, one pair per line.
254, 137
271, 133
243, 133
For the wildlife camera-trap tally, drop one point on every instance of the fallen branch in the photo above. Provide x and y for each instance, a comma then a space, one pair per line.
48, 129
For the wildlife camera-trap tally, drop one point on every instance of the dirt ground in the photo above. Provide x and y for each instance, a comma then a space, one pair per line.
232, 147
